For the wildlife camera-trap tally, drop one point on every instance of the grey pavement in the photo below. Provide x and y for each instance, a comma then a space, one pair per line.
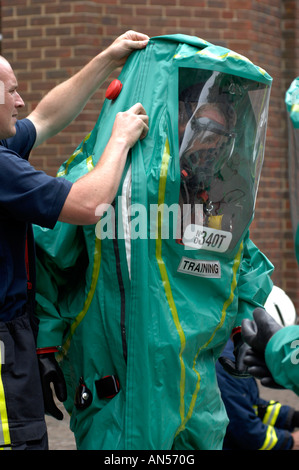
62, 438
59, 433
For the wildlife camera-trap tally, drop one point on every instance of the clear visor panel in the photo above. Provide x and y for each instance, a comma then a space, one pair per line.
221, 128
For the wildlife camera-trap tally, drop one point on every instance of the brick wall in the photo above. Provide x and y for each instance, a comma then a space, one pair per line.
48, 40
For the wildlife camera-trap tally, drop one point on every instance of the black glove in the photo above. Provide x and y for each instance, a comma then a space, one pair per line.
51, 372
256, 333
238, 368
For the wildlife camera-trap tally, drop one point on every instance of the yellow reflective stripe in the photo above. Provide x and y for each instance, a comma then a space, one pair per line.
193, 401
272, 413
211, 53
164, 276
4, 427
226, 304
295, 108
231, 54
271, 439
72, 158
81, 315
89, 163
234, 55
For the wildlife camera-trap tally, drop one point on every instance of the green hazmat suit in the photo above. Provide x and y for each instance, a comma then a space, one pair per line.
133, 298
282, 357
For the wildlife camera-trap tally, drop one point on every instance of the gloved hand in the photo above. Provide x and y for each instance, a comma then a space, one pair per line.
256, 333
238, 368
50, 372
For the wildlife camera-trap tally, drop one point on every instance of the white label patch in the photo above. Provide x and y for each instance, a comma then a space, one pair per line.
206, 238
201, 268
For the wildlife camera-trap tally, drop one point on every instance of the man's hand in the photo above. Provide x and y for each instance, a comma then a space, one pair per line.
91, 194
130, 126
122, 47
50, 117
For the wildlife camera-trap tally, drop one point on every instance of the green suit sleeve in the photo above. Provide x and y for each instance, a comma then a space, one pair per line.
255, 282
282, 357
60, 264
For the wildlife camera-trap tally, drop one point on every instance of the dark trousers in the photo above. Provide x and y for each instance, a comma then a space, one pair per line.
22, 421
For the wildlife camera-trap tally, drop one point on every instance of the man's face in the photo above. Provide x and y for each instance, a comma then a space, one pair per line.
202, 136
10, 101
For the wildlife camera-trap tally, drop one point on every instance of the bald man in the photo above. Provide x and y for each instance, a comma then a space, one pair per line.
28, 196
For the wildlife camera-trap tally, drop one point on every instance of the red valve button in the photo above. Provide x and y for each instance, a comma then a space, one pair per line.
113, 89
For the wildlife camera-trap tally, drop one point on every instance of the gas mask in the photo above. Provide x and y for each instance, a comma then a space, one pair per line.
206, 144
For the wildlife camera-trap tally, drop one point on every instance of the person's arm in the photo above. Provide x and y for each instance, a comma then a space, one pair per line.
64, 102
254, 286
90, 195
273, 353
